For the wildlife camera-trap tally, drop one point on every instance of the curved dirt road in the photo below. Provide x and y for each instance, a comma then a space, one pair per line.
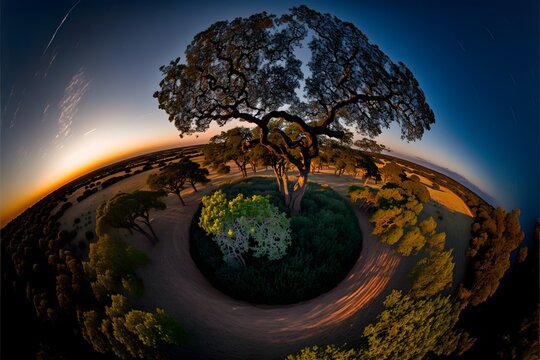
220, 327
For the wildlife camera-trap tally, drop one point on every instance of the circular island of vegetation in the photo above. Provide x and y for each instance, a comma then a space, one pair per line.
318, 248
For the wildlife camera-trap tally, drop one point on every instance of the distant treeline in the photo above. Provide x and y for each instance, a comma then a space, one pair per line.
44, 288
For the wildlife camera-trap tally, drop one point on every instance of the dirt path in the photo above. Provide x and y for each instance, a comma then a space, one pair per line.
220, 327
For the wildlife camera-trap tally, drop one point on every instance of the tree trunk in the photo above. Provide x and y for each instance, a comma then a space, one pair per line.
278, 179
193, 186
153, 234
280, 171
180, 197
285, 187
295, 204
366, 180
151, 237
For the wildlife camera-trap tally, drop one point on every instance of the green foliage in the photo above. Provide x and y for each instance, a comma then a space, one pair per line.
410, 328
365, 194
234, 223
391, 172
329, 352
370, 145
325, 244
223, 169
112, 264
173, 178
230, 75
397, 209
411, 242
127, 211
432, 274
129, 333
495, 237
417, 189
436, 242
228, 146
428, 226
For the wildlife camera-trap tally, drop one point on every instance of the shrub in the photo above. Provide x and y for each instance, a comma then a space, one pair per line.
223, 169
325, 244
234, 223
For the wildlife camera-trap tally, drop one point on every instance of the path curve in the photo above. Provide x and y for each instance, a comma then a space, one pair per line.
220, 327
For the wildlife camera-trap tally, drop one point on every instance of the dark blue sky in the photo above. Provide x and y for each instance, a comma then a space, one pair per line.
90, 93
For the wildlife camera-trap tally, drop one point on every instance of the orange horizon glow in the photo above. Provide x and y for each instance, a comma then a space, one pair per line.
11, 211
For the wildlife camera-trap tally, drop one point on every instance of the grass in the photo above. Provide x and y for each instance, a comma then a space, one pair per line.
326, 242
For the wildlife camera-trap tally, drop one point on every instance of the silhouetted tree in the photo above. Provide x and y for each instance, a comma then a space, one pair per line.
496, 234
247, 69
391, 172
228, 146
369, 169
173, 177
130, 211
370, 145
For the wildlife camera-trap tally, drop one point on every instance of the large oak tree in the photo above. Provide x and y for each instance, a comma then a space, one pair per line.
251, 69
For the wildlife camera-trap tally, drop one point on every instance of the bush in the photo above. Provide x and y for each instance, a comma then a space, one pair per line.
66, 206
326, 242
244, 224
111, 181
223, 169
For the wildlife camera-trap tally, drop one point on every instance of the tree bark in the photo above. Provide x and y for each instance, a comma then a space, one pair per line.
151, 237
285, 188
180, 197
278, 179
295, 204
193, 186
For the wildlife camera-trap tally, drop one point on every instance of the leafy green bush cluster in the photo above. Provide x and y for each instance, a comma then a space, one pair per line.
113, 324
234, 223
325, 243
396, 210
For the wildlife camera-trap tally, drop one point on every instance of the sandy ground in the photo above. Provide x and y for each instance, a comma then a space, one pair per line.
220, 327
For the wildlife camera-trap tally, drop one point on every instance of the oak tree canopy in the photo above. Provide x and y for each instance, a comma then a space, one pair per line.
251, 69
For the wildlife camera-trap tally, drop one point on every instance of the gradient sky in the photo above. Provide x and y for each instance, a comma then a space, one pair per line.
78, 77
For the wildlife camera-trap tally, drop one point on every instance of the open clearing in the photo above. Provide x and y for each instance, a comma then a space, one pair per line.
220, 327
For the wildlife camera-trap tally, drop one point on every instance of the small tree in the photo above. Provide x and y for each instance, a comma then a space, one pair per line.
234, 223
497, 236
129, 333
369, 169
410, 328
130, 211
173, 178
366, 144
432, 274
417, 189
195, 173
111, 265
412, 242
229, 146
391, 172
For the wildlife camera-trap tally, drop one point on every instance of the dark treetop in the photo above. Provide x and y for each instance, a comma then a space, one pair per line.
249, 69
